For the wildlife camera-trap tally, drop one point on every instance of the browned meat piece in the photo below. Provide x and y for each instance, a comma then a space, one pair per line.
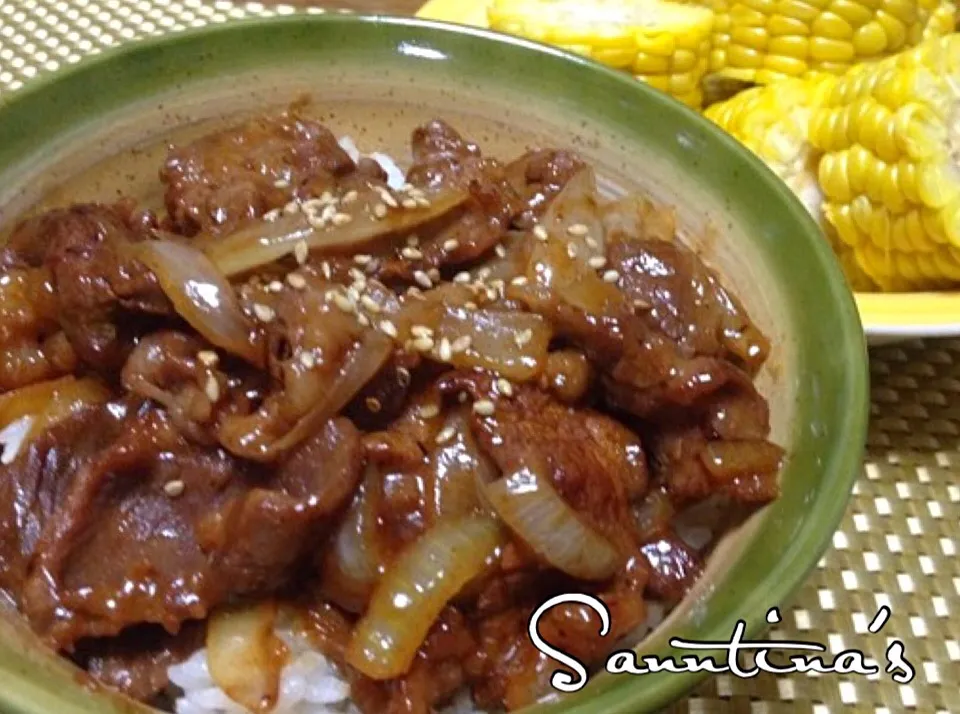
136, 662
687, 302
597, 464
400, 465
538, 176
674, 568
98, 288
442, 157
384, 397
151, 530
220, 181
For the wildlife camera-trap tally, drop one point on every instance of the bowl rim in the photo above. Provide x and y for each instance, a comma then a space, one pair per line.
845, 462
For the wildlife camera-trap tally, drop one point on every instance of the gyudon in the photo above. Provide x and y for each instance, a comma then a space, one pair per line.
312, 433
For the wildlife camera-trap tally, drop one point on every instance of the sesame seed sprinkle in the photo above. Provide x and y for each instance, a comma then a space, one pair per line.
388, 198
451, 244
208, 357
296, 281
428, 411
434, 275
264, 313
341, 219
446, 434
370, 304
423, 344
212, 389
461, 344
571, 250
411, 253
423, 279
422, 202
403, 377
500, 251
363, 320
597, 262
504, 387
325, 269
362, 258
611, 276
275, 286
308, 360
519, 280
578, 230
373, 404
291, 208
462, 278
281, 183
484, 407
421, 331
523, 337
350, 197
409, 203
271, 216
300, 251
380, 210
413, 241
174, 489
445, 351
591, 242
388, 328
540, 233
343, 302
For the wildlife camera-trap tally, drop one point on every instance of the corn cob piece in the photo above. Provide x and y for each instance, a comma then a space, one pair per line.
665, 44
764, 41
890, 138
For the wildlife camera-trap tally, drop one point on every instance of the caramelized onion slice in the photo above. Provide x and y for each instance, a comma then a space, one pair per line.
575, 217
245, 656
528, 503
458, 468
514, 344
202, 296
265, 242
411, 595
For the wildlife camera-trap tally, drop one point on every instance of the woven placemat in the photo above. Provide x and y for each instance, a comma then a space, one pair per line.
897, 546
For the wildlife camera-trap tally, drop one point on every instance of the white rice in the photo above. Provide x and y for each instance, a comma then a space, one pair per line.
395, 176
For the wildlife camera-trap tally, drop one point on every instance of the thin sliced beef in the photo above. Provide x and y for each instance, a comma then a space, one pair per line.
98, 287
674, 568
136, 662
120, 548
444, 158
538, 177
597, 465
224, 179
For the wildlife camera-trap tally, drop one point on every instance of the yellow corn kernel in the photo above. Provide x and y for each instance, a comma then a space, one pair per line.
895, 30
657, 81
789, 46
783, 25
831, 26
827, 50
788, 66
853, 12
869, 40
616, 58
903, 10
752, 37
799, 10
650, 64
684, 61
660, 44
744, 56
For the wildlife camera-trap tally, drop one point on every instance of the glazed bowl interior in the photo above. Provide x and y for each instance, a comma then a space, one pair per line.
101, 127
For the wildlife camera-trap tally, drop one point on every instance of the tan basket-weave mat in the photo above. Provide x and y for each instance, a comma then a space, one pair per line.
898, 543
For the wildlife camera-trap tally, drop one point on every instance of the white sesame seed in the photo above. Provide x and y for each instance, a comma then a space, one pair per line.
422, 202
491, 294
641, 304
461, 344
212, 389
325, 269
411, 253
414, 191
540, 233
312, 205
362, 258
316, 221
423, 279
428, 411
296, 281
388, 328
413, 241
291, 208
353, 294
504, 387
264, 313
208, 357
446, 434
271, 216
523, 337
350, 197
363, 320
308, 360
373, 404
462, 278
275, 286
451, 244
597, 262
327, 197
483, 273
300, 251
445, 351
328, 213
341, 219
484, 407
281, 183
591, 242
359, 279
174, 489
380, 211
571, 250
388, 198
421, 331
403, 376
578, 229
423, 344
370, 304
343, 302
519, 280
409, 203
414, 292
462, 397
611, 276
434, 275
500, 251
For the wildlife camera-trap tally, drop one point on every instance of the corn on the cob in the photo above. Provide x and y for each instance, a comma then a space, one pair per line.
890, 138
665, 44
764, 41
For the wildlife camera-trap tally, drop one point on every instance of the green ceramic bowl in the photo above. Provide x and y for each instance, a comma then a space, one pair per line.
377, 78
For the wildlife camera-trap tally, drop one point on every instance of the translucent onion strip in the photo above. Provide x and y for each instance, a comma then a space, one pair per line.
415, 590
528, 503
202, 296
